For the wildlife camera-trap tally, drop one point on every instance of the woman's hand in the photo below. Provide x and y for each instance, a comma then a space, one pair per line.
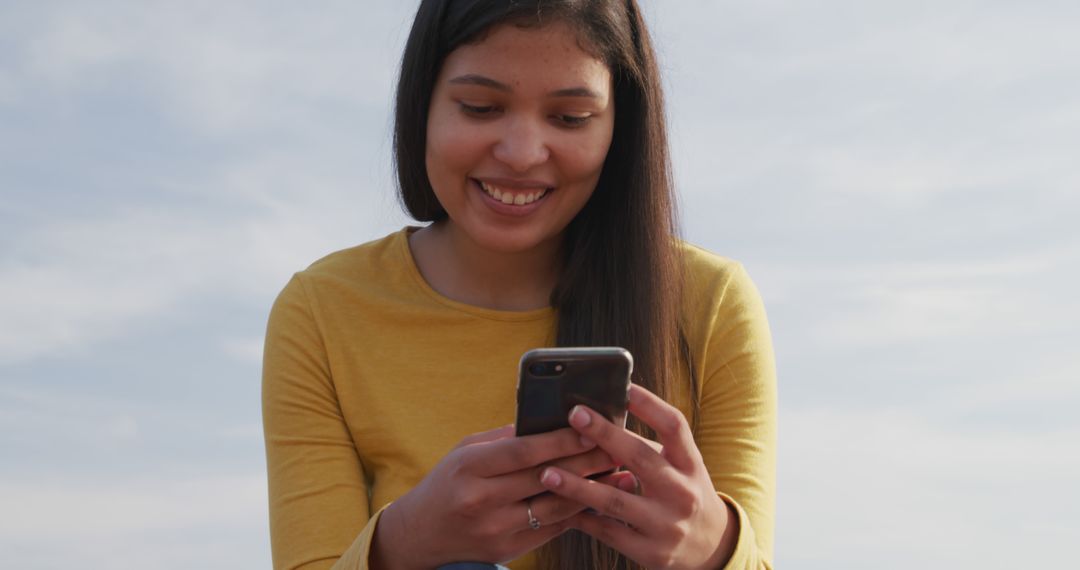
474, 505
677, 521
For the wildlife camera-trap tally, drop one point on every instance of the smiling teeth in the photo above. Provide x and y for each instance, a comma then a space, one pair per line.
511, 198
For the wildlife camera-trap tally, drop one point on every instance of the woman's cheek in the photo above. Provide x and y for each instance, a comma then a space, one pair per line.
460, 146
593, 149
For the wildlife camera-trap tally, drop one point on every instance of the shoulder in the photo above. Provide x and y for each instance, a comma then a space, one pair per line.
700, 263
710, 278
377, 255
368, 269
727, 327
718, 293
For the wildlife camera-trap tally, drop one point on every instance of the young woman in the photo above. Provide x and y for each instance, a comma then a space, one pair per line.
531, 135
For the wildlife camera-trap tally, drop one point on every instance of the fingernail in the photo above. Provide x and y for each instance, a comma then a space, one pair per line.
579, 417
588, 443
550, 478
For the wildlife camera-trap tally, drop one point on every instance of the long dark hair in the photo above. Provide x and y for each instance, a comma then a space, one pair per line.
620, 282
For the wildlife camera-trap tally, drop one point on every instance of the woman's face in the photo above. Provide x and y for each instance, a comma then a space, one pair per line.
518, 129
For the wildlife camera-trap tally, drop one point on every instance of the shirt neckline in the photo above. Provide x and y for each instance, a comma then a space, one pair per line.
494, 314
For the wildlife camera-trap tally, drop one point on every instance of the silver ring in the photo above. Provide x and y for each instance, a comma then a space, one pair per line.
533, 522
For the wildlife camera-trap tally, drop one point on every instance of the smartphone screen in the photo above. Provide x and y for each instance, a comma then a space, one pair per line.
551, 381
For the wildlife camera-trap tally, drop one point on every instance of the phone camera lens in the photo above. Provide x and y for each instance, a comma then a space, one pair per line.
546, 368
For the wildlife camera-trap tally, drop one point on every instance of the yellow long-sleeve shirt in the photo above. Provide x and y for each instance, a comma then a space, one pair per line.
370, 377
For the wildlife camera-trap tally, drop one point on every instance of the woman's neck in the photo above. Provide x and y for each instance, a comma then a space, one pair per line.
459, 269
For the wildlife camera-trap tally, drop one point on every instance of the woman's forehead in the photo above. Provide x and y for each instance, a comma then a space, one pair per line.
547, 56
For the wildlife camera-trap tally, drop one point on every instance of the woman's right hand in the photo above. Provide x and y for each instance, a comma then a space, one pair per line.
474, 505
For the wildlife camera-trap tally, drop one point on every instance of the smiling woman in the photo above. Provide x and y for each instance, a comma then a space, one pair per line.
515, 148
531, 135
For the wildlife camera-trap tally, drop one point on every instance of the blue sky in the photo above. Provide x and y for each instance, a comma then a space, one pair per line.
899, 178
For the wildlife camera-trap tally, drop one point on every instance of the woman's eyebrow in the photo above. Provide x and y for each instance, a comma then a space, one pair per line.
575, 92
474, 79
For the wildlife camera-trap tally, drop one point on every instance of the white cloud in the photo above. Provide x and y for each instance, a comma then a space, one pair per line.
898, 103
81, 282
69, 48
892, 303
8, 87
1048, 389
89, 282
132, 522
223, 69
69, 284
123, 428
74, 508
247, 350
27, 415
252, 433
893, 490
301, 88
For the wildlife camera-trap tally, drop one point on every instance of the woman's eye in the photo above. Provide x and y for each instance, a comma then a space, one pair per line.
573, 120
478, 110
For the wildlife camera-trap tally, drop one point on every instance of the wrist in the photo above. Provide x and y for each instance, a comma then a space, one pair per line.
729, 538
388, 547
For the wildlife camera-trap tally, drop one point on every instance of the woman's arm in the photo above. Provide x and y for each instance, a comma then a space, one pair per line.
318, 494
737, 429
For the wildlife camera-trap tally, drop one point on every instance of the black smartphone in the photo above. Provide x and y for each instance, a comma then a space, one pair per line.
551, 381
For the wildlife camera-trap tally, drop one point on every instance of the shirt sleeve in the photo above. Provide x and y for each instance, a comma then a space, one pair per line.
737, 424
319, 512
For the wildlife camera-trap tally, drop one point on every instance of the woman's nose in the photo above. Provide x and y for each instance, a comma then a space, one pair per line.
522, 145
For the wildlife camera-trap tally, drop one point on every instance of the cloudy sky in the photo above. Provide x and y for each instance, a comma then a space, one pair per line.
899, 177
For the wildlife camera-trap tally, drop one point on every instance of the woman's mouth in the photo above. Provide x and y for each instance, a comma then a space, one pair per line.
513, 196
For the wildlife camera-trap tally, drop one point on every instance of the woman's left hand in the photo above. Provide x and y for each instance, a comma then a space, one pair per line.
677, 521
